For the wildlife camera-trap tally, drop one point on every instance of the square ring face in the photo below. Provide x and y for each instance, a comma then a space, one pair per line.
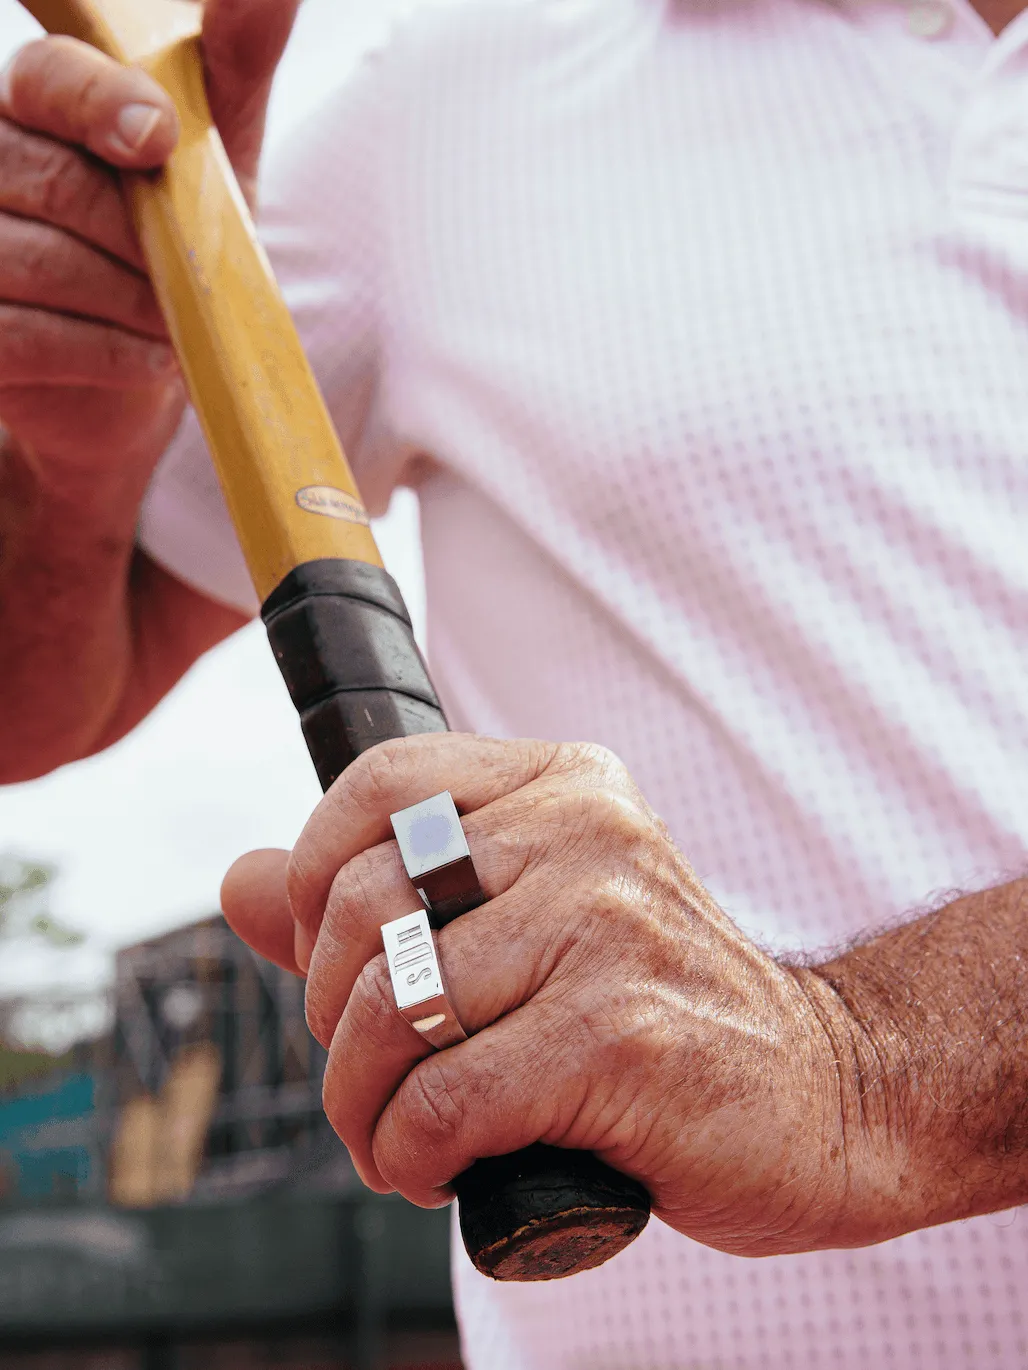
413, 965
430, 835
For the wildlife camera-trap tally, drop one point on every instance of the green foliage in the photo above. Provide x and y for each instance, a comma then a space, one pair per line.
24, 883
18, 1068
54, 932
18, 878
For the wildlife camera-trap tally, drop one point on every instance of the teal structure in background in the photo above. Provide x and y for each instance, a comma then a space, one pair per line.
47, 1139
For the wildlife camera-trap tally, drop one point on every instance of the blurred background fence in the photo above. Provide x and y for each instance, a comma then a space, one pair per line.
171, 1195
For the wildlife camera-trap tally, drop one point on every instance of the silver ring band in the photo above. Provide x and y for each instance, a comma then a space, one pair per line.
418, 981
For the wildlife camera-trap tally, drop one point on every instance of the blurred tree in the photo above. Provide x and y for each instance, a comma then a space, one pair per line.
24, 889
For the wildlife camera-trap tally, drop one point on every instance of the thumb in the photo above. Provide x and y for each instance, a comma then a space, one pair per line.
243, 41
256, 906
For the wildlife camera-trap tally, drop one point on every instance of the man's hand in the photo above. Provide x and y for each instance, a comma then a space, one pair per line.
89, 392
87, 375
615, 1007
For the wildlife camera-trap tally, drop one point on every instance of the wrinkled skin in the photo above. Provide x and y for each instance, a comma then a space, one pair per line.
87, 375
614, 1006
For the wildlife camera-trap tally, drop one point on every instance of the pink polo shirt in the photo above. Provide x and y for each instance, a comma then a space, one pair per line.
702, 331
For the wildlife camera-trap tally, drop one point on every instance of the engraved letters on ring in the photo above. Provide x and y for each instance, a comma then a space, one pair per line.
417, 980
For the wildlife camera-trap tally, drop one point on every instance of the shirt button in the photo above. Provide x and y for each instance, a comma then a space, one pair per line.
929, 19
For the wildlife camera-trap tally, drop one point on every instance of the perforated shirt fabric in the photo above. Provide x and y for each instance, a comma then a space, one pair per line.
701, 329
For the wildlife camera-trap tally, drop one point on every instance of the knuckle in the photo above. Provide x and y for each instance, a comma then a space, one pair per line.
350, 902
432, 1102
604, 815
301, 877
82, 196
44, 181
381, 777
357, 890
92, 198
373, 983
373, 1002
370, 1007
501, 852
316, 1011
525, 758
56, 180
590, 758
323, 1006
631, 831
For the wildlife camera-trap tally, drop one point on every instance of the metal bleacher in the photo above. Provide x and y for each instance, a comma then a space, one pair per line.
176, 1182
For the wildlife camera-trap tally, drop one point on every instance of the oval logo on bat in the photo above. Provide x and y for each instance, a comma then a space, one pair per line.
333, 503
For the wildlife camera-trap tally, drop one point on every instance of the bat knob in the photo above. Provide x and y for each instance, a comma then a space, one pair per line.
546, 1212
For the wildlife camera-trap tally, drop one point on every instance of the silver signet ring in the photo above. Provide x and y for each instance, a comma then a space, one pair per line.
418, 982
437, 858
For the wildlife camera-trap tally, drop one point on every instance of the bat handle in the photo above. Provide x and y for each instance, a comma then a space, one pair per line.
344, 644
343, 641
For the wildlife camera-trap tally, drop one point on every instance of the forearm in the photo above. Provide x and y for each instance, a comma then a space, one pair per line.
92, 633
934, 1059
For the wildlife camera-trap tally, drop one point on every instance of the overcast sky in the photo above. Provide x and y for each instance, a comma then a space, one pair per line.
143, 833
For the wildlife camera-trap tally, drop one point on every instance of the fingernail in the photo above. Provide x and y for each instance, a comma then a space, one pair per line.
135, 124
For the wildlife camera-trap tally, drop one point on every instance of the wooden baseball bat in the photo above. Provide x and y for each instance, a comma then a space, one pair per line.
335, 618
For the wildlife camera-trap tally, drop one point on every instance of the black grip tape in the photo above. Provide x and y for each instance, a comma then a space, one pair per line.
344, 644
